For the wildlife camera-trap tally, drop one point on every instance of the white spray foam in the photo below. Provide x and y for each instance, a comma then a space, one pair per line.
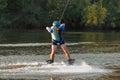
83, 68
56, 68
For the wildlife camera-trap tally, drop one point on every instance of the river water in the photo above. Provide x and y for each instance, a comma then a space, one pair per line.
34, 67
23, 55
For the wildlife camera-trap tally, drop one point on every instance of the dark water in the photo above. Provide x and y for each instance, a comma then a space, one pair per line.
42, 36
99, 50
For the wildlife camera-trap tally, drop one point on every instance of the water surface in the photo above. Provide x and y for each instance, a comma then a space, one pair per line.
97, 56
29, 67
42, 36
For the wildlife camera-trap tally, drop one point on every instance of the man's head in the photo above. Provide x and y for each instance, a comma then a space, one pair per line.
56, 24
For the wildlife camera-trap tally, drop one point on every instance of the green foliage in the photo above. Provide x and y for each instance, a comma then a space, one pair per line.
3, 4
74, 12
23, 14
32, 12
113, 13
55, 8
79, 14
95, 14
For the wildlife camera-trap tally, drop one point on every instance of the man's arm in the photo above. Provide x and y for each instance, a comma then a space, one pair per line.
49, 29
62, 26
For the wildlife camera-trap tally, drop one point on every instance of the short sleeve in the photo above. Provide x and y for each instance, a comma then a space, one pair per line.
62, 27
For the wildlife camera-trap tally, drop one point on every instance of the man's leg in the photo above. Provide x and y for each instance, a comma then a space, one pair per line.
53, 51
64, 48
52, 54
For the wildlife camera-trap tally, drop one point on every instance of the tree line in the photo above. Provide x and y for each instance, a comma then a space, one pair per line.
80, 14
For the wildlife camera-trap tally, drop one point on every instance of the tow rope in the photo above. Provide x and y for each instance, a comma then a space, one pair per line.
64, 10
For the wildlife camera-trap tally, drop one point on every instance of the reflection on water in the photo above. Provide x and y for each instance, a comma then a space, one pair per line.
52, 78
63, 78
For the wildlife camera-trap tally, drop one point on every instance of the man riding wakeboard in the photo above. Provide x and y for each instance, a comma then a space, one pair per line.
57, 39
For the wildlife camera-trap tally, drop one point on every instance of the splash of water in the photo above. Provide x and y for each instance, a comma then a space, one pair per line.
55, 68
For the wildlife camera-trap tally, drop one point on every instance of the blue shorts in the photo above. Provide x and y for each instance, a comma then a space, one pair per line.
54, 42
